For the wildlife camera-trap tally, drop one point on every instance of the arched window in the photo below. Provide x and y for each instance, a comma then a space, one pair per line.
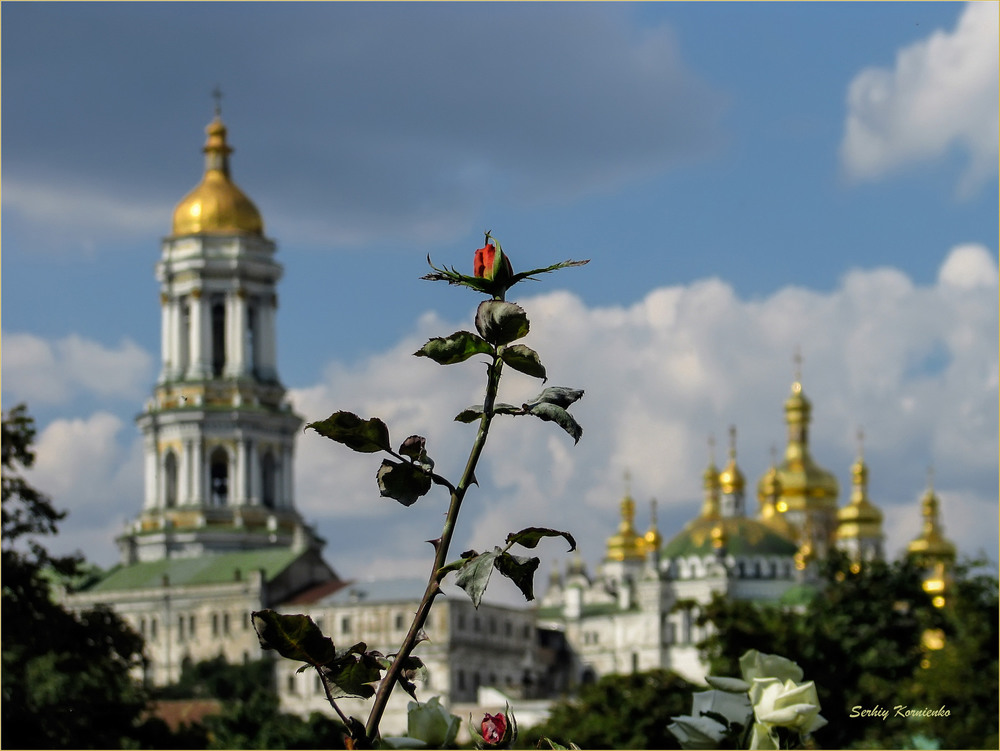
267, 480
218, 338
219, 476
170, 479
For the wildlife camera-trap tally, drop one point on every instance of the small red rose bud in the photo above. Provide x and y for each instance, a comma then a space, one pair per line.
494, 727
485, 261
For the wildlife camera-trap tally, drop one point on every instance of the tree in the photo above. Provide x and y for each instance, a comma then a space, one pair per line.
66, 680
861, 638
250, 716
618, 711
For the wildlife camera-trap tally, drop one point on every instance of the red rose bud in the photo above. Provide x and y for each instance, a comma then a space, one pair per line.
485, 263
494, 727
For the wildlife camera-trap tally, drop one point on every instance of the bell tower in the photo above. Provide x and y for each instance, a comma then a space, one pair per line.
218, 434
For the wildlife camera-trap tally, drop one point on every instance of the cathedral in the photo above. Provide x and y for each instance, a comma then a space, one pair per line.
218, 535
624, 619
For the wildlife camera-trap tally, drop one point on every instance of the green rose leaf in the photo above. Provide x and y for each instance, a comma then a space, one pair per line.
365, 436
557, 395
519, 570
458, 347
293, 636
352, 672
501, 322
473, 413
558, 415
523, 359
402, 482
530, 537
475, 575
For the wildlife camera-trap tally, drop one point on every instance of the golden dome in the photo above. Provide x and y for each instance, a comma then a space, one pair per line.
804, 484
216, 205
731, 479
627, 544
860, 518
768, 493
931, 546
653, 537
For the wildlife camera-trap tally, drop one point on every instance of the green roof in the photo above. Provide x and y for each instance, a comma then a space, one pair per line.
205, 569
743, 536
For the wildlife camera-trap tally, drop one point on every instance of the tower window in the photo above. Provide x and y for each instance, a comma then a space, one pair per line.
218, 338
219, 473
170, 479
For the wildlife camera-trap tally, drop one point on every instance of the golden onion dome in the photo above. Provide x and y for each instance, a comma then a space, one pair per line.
627, 544
731, 479
217, 205
804, 484
860, 517
932, 546
768, 492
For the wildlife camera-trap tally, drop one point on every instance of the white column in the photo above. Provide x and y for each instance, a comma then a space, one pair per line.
236, 319
166, 319
198, 494
152, 473
177, 358
199, 338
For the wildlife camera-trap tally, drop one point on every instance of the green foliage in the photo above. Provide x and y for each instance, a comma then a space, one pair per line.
618, 711
250, 715
459, 347
861, 638
66, 680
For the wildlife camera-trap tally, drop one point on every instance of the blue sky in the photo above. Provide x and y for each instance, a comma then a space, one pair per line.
746, 178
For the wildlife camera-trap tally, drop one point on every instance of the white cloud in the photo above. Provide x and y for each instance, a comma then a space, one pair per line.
42, 371
967, 267
941, 93
905, 362
92, 468
915, 366
70, 214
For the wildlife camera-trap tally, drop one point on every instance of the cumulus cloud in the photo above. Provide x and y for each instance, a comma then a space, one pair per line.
42, 372
941, 94
914, 365
905, 362
92, 468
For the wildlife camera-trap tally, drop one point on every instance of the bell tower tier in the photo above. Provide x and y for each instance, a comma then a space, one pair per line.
218, 434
